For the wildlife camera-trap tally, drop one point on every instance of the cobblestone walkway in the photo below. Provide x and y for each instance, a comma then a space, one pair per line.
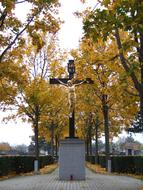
51, 182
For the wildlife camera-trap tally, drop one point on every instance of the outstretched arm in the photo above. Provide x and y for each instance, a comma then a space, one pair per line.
64, 84
87, 81
80, 82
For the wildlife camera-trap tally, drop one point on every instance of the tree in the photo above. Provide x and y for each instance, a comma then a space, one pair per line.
54, 121
5, 146
14, 28
136, 126
34, 94
96, 60
21, 149
114, 19
13, 37
43, 145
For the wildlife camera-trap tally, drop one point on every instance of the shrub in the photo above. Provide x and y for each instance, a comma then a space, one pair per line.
22, 164
102, 161
121, 164
138, 160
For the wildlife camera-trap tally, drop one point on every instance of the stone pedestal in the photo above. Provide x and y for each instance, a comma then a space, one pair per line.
72, 159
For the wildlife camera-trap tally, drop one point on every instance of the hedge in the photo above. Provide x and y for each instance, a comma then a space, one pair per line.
102, 161
127, 164
121, 164
22, 164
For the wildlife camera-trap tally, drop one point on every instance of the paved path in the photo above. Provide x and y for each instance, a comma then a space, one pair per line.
51, 182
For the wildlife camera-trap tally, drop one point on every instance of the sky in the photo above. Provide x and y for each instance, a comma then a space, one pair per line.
71, 31
69, 36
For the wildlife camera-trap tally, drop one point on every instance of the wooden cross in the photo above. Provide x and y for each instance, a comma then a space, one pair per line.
71, 83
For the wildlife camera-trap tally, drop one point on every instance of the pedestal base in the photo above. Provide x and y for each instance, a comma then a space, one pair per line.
72, 159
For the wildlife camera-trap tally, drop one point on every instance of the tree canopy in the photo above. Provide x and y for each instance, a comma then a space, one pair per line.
121, 21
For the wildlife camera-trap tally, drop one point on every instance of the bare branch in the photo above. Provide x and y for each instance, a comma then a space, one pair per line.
2, 18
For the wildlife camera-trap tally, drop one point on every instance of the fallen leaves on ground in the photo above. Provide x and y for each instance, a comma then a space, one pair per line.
47, 169
98, 169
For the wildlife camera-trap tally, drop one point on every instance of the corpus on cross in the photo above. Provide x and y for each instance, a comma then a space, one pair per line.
71, 83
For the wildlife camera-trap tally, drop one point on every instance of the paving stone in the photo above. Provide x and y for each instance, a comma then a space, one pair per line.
51, 182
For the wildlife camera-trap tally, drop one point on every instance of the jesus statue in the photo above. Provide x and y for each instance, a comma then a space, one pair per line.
71, 93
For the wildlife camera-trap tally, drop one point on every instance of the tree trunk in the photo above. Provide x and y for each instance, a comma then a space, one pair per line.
106, 127
56, 145
124, 62
141, 109
52, 139
96, 140
138, 84
87, 146
141, 65
36, 161
90, 144
36, 131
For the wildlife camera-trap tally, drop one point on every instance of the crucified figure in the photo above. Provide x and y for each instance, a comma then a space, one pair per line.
71, 93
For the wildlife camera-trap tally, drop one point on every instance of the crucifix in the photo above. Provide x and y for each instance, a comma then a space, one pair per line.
71, 83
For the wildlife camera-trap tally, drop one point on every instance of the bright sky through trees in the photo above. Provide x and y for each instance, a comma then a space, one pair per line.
71, 30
